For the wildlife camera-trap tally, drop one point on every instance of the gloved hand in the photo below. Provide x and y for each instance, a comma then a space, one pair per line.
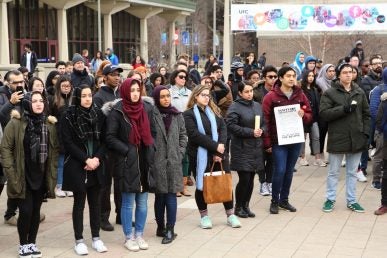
349, 108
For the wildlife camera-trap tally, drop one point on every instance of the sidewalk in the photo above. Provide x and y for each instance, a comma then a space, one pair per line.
307, 233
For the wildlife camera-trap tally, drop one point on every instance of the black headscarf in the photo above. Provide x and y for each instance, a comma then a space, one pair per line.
36, 130
84, 121
166, 112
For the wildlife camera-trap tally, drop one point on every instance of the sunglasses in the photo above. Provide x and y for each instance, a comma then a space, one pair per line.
271, 77
181, 77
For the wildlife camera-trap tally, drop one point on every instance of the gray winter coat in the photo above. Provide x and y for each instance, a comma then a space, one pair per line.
170, 150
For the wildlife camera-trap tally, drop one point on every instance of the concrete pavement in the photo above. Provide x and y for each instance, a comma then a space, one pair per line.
309, 232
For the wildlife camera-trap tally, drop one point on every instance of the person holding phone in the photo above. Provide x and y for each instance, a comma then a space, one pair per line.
11, 95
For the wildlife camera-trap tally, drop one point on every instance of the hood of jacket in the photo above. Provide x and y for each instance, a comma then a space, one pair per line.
108, 106
16, 114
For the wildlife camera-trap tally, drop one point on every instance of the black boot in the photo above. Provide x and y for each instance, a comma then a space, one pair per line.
240, 212
274, 207
160, 231
248, 211
106, 226
169, 235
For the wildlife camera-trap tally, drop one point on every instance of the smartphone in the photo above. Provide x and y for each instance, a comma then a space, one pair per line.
20, 88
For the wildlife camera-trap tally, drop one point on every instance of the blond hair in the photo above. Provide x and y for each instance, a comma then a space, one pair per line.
195, 92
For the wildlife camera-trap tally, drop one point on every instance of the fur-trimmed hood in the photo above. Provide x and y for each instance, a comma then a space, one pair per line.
108, 106
16, 114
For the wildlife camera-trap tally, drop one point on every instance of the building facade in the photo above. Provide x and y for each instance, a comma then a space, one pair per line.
58, 28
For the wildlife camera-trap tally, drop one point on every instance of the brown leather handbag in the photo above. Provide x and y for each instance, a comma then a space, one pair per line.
217, 186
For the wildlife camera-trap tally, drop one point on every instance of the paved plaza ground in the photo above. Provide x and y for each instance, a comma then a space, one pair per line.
307, 233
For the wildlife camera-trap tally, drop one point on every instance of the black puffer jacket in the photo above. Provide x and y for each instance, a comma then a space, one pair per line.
370, 81
79, 78
246, 150
134, 165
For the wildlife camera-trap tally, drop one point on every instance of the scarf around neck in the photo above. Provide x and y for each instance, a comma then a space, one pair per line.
135, 111
166, 112
202, 159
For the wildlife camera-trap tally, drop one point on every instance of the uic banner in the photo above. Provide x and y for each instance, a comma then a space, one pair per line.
308, 17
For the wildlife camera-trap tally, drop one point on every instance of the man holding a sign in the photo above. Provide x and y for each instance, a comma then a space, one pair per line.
285, 110
345, 108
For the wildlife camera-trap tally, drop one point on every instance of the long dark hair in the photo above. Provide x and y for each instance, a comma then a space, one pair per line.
59, 101
304, 80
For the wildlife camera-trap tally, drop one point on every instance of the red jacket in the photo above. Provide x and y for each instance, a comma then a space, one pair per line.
276, 98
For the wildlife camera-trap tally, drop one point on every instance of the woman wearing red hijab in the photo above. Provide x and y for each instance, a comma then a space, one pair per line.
129, 135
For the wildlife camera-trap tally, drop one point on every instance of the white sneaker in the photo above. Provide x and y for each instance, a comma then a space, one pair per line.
343, 163
360, 176
269, 187
99, 246
142, 243
69, 194
303, 162
59, 193
264, 189
132, 245
81, 249
319, 163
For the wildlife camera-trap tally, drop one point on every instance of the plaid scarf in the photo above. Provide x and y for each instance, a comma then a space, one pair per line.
38, 137
36, 130
84, 122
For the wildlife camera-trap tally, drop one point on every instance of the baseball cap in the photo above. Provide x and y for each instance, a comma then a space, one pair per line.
111, 68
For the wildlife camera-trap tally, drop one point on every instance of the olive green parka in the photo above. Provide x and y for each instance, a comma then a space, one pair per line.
12, 156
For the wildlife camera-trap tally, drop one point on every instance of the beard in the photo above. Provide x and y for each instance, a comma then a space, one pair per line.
378, 70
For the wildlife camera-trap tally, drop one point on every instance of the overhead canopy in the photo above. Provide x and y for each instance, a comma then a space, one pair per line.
308, 17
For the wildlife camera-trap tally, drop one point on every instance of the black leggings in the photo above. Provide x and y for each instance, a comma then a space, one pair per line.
92, 194
29, 215
244, 188
202, 205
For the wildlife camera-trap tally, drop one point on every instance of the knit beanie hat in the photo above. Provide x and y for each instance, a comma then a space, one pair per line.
77, 57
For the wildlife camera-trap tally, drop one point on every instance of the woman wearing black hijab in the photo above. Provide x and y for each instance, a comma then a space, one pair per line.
29, 153
83, 165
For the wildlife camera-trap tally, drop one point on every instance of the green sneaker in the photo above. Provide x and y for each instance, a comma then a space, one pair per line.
233, 221
328, 206
205, 222
355, 207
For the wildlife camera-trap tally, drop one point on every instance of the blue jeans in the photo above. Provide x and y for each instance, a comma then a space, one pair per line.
59, 180
140, 212
165, 201
352, 162
284, 160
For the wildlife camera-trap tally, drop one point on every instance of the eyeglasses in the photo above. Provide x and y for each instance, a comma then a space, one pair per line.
271, 77
205, 95
378, 63
181, 77
366, 65
66, 86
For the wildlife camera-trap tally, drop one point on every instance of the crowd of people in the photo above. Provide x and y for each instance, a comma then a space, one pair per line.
87, 129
